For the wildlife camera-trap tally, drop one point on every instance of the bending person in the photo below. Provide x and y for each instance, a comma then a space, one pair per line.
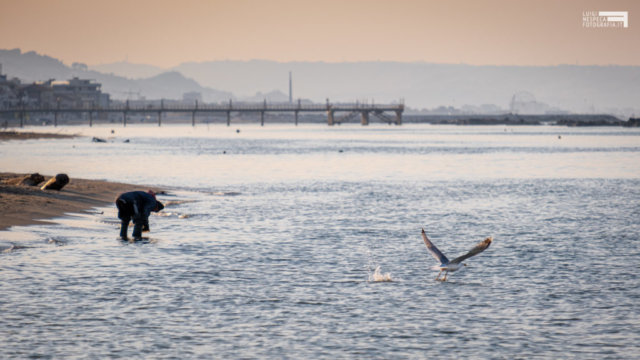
136, 206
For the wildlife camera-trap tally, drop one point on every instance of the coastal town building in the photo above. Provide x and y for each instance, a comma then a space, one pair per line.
86, 92
38, 95
192, 96
9, 94
70, 94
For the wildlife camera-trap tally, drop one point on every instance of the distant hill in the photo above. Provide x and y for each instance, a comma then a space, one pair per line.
128, 70
172, 85
30, 67
422, 85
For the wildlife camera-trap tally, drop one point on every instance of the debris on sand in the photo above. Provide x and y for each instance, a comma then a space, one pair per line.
56, 183
29, 180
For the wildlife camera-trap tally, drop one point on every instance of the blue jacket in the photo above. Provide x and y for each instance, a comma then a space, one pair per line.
145, 203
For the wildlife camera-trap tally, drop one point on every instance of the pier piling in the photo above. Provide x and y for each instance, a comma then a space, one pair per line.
124, 120
398, 117
365, 118
193, 115
330, 117
55, 114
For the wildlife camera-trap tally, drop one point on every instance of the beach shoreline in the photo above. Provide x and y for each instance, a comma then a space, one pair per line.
22, 205
18, 135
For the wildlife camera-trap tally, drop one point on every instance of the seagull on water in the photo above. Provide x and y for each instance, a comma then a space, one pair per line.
455, 264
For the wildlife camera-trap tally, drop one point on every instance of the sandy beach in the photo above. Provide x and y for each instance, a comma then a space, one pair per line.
17, 135
28, 205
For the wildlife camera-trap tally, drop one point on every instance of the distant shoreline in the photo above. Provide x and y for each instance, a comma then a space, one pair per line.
570, 120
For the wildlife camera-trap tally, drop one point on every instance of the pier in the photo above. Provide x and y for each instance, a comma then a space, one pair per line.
336, 113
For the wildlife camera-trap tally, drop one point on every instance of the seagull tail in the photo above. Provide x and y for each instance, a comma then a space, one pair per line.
435, 267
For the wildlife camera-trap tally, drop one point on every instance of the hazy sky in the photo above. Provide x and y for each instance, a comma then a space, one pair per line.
166, 33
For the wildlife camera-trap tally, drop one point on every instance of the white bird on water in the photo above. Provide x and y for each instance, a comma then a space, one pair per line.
455, 264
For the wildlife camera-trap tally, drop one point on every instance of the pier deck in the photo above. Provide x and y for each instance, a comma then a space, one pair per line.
346, 111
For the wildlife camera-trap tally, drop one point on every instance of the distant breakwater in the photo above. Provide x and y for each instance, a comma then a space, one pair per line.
515, 119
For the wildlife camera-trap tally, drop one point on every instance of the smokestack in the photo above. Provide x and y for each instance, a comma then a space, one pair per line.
290, 89
1, 71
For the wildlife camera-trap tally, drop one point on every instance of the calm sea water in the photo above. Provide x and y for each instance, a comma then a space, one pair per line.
269, 250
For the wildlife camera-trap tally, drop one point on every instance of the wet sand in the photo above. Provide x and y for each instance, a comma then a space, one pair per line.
15, 135
28, 205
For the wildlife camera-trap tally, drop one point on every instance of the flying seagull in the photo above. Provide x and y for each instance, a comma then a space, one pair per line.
455, 264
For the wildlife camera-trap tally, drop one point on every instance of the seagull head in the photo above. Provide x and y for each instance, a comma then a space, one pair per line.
464, 264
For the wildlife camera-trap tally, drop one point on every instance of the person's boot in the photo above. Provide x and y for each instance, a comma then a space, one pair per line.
137, 230
123, 230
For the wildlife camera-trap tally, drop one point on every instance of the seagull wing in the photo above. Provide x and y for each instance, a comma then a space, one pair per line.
482, 246
434, 250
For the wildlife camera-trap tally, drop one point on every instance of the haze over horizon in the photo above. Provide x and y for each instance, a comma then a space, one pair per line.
428, 53
612, 89
165, 34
